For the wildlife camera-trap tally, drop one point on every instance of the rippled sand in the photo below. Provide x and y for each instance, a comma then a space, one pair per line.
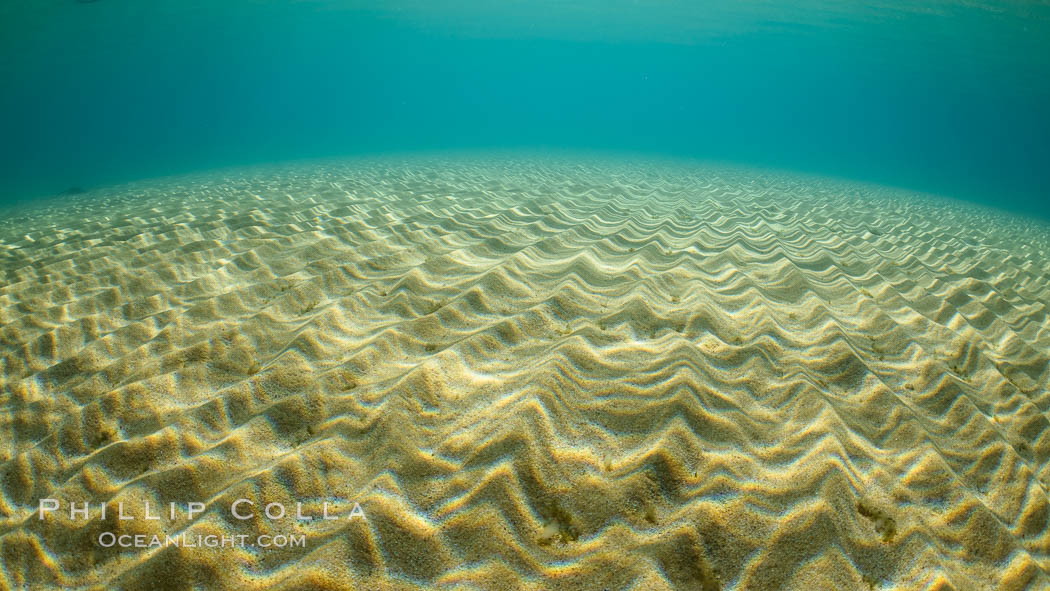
538, 374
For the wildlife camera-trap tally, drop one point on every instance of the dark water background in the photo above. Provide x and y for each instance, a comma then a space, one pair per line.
948, 97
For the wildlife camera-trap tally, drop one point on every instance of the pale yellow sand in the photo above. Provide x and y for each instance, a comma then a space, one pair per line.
530, 375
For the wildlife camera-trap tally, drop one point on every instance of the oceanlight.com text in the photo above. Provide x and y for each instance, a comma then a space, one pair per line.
109, 540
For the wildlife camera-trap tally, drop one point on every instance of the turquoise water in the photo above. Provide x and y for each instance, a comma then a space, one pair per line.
946, 97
